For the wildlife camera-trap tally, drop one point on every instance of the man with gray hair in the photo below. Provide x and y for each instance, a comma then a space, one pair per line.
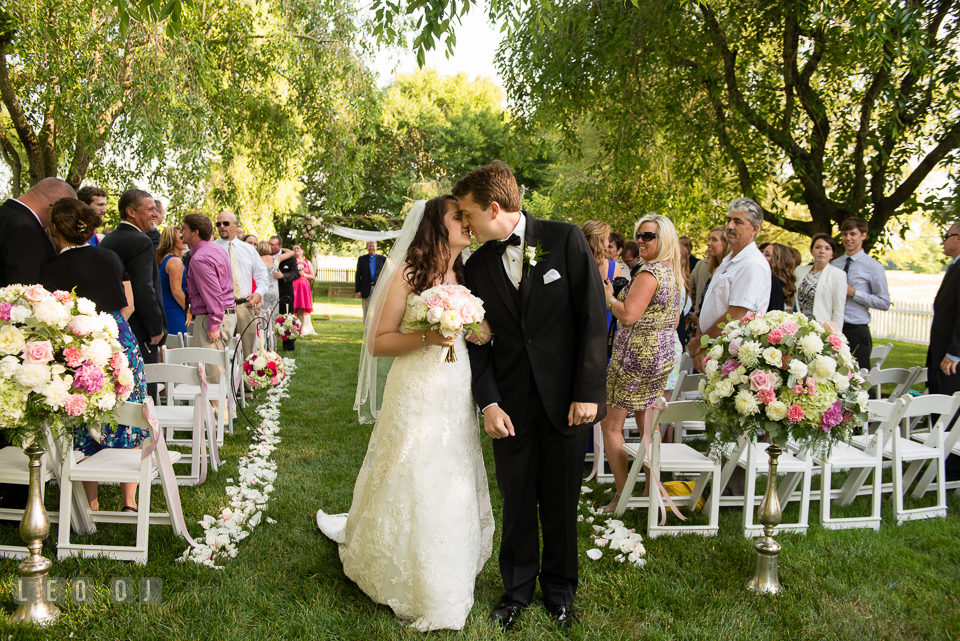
24, 245
741, 283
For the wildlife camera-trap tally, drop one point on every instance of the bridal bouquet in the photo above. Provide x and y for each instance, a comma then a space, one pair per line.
287, 327
448, 309
60, 362
784, 374
264, 369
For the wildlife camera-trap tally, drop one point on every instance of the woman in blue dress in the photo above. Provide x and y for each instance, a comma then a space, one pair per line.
173, 280
98, 274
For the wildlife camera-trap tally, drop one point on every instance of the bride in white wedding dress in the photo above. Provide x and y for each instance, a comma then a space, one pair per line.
420, 527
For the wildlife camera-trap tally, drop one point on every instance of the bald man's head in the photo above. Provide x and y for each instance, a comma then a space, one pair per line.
41, 197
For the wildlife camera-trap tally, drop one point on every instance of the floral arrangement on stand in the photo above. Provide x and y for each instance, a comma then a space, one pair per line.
287, 327
60, 362
264, 369
249, 497
448, 309
783, 374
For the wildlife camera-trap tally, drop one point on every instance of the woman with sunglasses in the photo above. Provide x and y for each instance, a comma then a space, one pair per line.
645, 348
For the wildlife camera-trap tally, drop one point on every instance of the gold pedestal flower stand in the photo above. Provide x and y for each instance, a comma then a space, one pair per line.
766, 578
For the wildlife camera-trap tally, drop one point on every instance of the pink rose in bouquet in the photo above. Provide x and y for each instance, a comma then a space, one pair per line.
38, 352
760, 380
36, 294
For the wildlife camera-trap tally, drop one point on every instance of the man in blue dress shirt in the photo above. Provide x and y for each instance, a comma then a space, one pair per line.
866, 289
368, 269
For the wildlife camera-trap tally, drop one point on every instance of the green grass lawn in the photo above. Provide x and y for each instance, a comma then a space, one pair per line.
287, 581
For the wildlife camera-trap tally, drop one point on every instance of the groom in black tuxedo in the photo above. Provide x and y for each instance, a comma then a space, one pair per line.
540, 381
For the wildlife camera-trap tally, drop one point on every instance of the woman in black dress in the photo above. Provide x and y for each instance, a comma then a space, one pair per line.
98, 274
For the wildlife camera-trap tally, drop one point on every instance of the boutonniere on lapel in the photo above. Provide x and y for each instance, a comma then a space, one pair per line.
533, 255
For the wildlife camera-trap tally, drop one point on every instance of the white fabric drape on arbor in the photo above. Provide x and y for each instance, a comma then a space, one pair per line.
360, 234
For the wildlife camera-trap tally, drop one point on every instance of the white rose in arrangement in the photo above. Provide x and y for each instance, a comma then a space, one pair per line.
749, 353
862, 398
713, 398
86, 307
841, 382
725, 388
33, 376
700, 387
450, 322
711, 368
420, 310
811, 345
736, 332
798, 369
773, 356
107, 402
19, 313
9, 365
125, 377
823, 367
758, 326
746, 403
777, 411
433, 315
715, 352
739, 375
11, 340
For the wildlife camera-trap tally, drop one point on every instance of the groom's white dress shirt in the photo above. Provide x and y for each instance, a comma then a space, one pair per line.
513, 256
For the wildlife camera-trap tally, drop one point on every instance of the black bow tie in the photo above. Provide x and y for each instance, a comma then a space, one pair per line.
500, 246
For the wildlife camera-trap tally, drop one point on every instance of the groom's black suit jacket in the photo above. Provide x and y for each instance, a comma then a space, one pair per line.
24, 246
555, 332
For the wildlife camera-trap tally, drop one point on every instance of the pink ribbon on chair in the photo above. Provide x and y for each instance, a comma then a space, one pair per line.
166, 472
209, 422
662, 493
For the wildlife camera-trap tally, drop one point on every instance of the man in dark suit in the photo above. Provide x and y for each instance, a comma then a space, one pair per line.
540, 381
24, 245
286, 273
138, 214
369, 267
944, 350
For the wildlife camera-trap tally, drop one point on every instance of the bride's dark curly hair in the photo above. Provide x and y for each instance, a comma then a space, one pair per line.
429, 251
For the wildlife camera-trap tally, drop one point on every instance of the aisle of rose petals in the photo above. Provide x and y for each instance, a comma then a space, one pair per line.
248, 498
626, 546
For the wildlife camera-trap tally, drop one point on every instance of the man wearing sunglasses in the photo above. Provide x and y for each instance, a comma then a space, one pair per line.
246, 267
741, 283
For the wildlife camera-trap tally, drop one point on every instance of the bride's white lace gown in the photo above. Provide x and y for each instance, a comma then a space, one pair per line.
420, 527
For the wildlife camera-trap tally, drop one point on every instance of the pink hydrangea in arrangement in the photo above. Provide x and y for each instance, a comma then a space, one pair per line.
449, 309
264, 369
60, 362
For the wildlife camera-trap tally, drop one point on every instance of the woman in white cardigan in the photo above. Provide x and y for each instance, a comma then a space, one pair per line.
821, 287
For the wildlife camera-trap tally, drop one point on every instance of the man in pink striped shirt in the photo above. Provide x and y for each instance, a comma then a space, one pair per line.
209, 288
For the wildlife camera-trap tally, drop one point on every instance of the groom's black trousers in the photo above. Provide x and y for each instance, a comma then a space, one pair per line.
539, 470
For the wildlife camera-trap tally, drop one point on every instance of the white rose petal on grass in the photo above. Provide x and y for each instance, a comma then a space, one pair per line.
594, 553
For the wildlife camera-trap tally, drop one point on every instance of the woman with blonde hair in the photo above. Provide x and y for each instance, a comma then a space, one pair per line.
644, 350
598, 236
173, 280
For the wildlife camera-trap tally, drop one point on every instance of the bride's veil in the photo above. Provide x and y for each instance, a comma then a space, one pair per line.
369, 391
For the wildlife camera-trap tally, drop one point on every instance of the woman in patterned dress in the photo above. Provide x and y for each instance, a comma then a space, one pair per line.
644, 352
96, 273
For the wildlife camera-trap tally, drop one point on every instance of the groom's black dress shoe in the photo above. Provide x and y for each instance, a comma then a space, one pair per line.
563, 615
505, 614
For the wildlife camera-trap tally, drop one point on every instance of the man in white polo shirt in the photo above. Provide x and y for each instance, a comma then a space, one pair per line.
741, 283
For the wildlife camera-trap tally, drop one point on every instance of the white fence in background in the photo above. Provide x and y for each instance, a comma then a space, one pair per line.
907, 322
335, 274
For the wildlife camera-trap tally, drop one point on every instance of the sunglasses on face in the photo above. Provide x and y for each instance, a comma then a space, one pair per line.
225, 223
647, 236
947, 237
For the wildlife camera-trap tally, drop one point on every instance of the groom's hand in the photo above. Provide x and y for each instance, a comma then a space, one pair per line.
581, 413
496, 422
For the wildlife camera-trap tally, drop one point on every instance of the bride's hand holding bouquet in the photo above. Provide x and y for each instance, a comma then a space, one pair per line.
448, 309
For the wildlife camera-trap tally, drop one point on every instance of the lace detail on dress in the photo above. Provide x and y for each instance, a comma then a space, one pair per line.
420, 527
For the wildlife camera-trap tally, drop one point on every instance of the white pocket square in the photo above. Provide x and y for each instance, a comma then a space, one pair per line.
551, 276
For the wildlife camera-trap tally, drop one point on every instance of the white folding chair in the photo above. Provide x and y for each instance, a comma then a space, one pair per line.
950, 436
901, 378
861, 464
219, 391
197, 419
123, 466
752, 457
687, 389
672, 457
879, 354
901, 450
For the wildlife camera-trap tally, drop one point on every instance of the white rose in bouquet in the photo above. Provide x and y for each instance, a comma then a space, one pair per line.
797, 369
841, 382
434, 314
758, 326
777, 411
725, 388
11, 340
711, 368
823, 367
450, 322
772, 356
86, 307
716, 351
